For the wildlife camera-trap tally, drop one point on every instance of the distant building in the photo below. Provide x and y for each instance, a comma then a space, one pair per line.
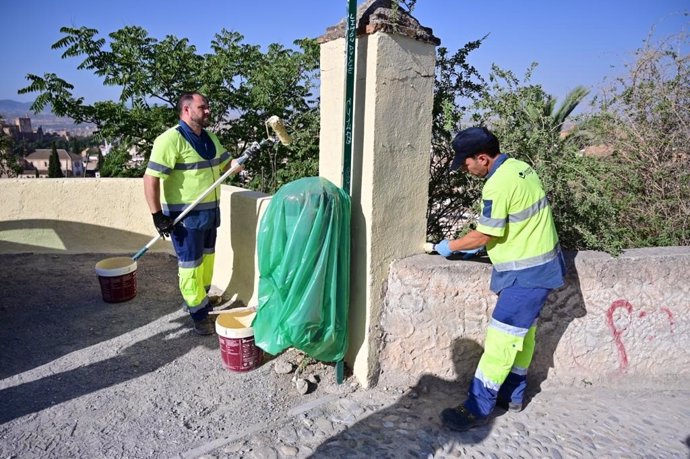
28, 170
24, 125
70, 163
89, 158
22, 130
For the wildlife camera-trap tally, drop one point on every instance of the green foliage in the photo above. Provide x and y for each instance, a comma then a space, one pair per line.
245, 86
635, 197
23, 146
529, 127
116, 164
408, 6
280, 83
450, 195
644, 119
54, 169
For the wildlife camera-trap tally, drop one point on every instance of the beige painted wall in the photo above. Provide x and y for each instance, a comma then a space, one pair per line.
75, 215
390, 161
236, 267
110, 215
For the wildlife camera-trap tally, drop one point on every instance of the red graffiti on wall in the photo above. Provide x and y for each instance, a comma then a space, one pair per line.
618, 332
622, 354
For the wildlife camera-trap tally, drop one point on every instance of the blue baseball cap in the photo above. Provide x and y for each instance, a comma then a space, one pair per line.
470, 142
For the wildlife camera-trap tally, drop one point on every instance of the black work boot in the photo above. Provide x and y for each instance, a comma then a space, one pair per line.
205, 326
461, 419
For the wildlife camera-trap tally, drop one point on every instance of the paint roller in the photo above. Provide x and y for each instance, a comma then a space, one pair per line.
281, 135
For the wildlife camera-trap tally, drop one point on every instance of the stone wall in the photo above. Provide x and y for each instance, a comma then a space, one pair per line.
622, 320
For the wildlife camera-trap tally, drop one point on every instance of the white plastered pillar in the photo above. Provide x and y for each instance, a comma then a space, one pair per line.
390, 168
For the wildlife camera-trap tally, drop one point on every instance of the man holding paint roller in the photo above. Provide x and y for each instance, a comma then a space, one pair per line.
185, 161
516, 226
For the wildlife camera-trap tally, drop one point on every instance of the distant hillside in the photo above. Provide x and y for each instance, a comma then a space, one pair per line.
11, 109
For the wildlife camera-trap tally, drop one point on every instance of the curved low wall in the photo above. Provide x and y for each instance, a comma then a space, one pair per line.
75, 215
622, 320
110, 216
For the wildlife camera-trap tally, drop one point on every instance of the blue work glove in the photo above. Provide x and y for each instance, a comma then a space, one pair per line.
443, 249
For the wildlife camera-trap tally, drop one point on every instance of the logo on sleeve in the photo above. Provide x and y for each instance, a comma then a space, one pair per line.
526, 172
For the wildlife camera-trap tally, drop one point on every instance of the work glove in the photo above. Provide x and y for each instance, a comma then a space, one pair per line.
443, 249
163, 223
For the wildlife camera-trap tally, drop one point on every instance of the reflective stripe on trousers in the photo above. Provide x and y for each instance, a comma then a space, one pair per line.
195, 249
508, 349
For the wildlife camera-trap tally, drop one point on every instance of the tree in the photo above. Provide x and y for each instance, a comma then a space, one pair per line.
54, 169
101, 160
523, 117
245, 86
644, 118
450, 195
115, 164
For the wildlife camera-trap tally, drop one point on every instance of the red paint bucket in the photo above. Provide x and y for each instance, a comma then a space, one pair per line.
118, 279
236, 338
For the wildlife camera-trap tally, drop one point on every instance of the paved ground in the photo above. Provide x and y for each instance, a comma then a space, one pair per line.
84, 378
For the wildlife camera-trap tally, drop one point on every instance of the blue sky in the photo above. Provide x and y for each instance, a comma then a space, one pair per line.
575, 42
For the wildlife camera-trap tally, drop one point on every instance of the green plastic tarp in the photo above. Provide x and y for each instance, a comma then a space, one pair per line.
303, 249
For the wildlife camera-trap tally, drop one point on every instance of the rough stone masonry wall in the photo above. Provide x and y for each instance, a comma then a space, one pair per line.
618, 320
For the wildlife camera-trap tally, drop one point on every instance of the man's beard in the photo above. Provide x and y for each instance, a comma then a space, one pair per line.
201, 120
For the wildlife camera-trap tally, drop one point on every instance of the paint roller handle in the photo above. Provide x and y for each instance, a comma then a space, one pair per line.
254, 148
281, 136
145, 249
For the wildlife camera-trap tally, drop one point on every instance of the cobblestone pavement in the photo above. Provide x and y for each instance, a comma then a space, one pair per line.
561, 423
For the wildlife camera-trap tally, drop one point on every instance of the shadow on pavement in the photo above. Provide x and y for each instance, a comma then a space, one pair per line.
411, 427
52, 308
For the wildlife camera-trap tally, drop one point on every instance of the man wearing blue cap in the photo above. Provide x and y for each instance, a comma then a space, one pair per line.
516, 226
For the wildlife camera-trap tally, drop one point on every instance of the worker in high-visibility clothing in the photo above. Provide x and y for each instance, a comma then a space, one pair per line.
516, 226
185, 161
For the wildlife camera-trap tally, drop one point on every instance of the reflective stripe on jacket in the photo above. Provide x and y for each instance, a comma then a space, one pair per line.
185, 174
516, 212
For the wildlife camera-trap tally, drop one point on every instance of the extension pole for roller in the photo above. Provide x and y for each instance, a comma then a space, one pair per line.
350, 36
255, 147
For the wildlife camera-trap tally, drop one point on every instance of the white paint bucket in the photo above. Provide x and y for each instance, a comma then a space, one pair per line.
236, 338
118, 279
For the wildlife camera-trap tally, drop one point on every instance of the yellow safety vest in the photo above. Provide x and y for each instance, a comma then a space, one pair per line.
516, 212
184, 172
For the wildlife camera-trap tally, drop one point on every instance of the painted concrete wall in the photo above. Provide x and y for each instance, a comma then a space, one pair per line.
623, 320
110, 215
390, 162
75, 215
236, 267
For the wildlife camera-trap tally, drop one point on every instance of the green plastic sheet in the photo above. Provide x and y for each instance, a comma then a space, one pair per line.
304, 267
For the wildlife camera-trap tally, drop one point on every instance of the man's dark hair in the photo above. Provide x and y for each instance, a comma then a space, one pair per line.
186, 98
